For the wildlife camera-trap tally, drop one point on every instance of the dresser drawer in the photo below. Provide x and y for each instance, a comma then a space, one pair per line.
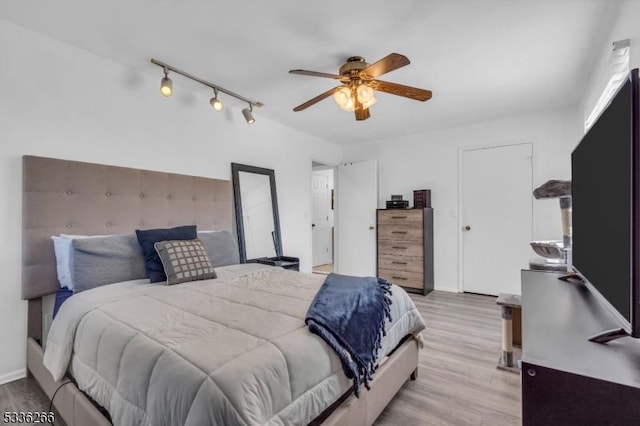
401, 263
402, 278
400, 232
400, 217
400, 248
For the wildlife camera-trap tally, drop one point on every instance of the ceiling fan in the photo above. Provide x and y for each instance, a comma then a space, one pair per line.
359, 83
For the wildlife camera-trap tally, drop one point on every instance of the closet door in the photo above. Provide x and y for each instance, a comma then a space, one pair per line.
356, 203
496, 217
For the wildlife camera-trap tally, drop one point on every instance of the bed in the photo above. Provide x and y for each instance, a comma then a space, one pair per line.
63, 197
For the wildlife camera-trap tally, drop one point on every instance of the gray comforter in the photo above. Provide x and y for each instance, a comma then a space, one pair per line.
229, 351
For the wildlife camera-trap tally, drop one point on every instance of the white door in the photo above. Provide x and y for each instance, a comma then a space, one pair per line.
321, 229
496, 217
357, 200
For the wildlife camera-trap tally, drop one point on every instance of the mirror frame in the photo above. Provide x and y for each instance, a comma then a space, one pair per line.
235, 172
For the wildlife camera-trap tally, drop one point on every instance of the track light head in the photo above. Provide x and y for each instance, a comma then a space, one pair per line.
248, 115
215, 102
166, 85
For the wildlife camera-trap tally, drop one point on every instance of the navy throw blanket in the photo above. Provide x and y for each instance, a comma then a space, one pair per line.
349, 314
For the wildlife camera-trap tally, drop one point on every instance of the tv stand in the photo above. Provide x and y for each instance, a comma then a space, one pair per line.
571, 278
605, 336
609, 335
566, 379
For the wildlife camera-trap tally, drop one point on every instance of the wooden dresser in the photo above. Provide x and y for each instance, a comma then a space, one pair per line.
405, 248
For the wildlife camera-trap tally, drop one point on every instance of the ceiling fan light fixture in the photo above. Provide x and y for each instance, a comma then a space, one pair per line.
360, 82
342, 96
370, 102
365, 93
350, 106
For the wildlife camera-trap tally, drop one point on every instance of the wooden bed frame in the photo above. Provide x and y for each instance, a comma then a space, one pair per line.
71, 197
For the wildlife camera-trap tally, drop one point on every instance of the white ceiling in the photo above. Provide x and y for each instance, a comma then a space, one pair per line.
483, 59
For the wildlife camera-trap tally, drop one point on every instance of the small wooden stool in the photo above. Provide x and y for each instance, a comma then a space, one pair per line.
511, 310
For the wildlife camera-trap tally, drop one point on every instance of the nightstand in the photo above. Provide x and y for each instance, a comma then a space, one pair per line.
285, 262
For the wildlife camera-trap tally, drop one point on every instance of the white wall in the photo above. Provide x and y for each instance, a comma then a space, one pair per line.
624, 26
430, 161
59, 101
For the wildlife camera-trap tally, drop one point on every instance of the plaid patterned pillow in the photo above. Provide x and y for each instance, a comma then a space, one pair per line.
184, 260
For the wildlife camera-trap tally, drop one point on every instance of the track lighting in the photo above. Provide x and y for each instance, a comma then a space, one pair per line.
215, 102
166, 85
248, 115
166, 88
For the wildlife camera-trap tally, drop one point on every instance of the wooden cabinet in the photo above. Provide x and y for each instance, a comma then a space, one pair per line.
405, 248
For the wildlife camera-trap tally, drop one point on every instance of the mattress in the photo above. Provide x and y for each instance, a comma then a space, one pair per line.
233, 350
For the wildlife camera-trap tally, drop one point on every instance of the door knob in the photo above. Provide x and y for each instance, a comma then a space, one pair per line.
313, 225
371, 228
467, 228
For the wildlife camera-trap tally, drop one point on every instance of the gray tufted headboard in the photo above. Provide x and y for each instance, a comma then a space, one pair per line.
72, 197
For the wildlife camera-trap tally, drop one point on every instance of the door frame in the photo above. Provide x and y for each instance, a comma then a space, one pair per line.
461, 151
334, 168
316, 173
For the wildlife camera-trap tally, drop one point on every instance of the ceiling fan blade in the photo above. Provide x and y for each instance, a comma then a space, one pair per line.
400, 90
387, 64
315, 100
316, 74
361, 112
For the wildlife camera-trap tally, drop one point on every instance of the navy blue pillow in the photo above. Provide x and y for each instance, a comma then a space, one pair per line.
148, 237
62, 295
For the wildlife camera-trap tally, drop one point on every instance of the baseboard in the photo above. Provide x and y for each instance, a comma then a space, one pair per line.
447, 289
13, 376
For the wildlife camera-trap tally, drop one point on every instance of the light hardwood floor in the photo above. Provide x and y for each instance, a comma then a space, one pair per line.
323, 269
458, 383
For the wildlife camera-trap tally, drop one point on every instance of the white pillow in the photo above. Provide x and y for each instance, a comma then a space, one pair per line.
62, 249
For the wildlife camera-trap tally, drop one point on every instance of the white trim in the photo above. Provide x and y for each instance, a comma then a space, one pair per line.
461, 150
460, 286
13, 376
447, 289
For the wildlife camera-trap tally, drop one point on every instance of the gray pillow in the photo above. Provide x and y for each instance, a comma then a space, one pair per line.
184, 260
105, 260
221, 247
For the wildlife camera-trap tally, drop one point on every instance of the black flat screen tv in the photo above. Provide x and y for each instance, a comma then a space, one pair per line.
605, 212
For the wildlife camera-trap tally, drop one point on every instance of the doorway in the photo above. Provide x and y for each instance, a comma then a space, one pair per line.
496, 217
322, 218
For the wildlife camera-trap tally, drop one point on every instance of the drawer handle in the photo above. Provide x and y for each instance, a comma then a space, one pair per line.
398, 217
398, 232
399, 263
399, 278
399, 247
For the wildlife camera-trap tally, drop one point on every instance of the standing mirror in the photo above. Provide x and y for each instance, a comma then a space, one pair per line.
257, 220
